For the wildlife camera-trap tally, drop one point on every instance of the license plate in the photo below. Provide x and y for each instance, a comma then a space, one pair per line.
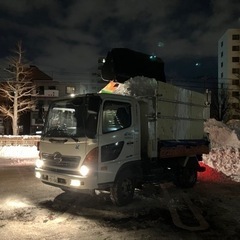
52, 179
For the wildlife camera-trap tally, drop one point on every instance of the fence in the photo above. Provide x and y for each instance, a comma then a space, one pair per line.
19, 140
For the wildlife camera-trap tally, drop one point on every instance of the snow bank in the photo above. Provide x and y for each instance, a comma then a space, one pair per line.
137, 86
225, 147
18, 152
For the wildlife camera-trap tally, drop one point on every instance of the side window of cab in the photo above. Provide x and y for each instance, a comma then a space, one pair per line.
116, 116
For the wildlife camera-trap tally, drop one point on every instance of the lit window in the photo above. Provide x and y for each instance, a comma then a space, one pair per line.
70, 90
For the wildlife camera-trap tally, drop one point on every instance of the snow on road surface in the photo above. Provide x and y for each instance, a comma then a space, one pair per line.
18, 155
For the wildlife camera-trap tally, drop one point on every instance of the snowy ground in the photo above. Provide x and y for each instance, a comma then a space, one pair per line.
15, 155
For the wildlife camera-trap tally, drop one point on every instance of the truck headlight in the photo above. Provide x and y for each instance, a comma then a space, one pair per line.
39, 163
84, 170
75, 182
38, 175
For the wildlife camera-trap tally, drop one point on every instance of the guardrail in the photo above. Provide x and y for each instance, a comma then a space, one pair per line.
25, 140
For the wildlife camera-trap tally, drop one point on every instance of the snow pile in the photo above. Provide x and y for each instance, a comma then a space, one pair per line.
18, 149
18, 152
225, 147
137, 86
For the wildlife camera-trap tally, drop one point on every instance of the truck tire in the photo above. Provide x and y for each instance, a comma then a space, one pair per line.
122, 191
186, 177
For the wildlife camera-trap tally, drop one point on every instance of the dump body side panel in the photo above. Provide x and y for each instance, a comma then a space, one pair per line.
172, 122
180, 113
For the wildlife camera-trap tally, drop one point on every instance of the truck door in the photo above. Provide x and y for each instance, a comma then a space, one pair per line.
118, 139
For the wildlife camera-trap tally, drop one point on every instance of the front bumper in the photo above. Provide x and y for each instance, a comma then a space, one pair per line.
63, 180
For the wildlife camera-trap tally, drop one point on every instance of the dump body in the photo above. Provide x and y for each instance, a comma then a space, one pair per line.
181, 113
172, 121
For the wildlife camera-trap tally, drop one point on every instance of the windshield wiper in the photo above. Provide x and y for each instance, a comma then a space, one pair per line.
74, 138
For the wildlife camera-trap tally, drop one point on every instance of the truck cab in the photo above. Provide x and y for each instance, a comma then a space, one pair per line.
88, 141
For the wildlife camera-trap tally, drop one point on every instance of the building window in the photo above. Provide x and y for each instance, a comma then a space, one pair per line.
235, 82
40, 90
235, 37
235, 48
221, 54
52, 87
235, 70
221, 75
235, 116
70, 90
235, 59
235, 105
221, 43
235, 94
221, 64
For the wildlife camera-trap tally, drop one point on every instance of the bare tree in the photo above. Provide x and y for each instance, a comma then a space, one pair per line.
17, 90
220, 106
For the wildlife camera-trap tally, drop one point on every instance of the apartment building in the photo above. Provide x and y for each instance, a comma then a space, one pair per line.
229, 72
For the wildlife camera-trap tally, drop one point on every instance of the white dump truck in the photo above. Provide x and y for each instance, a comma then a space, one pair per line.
116, 143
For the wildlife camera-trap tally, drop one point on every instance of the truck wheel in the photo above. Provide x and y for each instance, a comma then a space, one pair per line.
185, 177
122, 191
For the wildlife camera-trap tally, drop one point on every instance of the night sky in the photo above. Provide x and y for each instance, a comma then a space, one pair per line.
65, 38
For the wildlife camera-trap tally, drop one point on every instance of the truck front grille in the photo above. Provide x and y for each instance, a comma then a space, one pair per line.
61, 160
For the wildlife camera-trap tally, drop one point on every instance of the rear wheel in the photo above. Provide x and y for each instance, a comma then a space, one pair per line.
186, 177
122, 191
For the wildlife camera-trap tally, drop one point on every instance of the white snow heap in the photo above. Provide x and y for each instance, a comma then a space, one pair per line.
225, 147
19, 152
137, 86
221, 135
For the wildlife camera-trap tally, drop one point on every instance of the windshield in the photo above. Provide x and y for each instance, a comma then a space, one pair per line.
76, 117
